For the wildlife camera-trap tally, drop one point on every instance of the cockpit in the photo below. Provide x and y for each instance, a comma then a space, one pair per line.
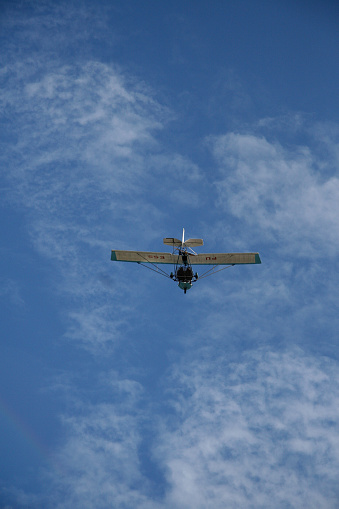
185, 274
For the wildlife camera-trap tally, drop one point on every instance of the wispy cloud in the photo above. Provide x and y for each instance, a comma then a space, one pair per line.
281, 192
78, 163
100, 463
11, 293
256, 432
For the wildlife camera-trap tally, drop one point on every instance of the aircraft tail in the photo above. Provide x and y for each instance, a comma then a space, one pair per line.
170, 241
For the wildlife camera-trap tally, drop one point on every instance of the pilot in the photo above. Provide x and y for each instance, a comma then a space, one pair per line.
184, 258
189, 273
185, 274
181, 274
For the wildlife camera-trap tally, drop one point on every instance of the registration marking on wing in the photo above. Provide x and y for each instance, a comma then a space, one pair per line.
224, 258
143, 257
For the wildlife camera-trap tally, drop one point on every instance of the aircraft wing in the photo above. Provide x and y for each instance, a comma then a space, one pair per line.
224, 258
199, 259
143, 257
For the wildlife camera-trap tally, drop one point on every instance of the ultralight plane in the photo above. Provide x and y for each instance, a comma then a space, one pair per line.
182, 258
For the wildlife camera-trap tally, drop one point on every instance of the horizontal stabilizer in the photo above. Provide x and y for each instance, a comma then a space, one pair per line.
172, 242
193, 242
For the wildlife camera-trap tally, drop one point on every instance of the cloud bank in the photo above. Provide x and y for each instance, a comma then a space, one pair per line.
252, 433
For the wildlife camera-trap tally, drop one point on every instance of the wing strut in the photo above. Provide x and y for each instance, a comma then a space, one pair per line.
159, 271
206, 274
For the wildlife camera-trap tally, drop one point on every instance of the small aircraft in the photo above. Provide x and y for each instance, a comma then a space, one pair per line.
182, 258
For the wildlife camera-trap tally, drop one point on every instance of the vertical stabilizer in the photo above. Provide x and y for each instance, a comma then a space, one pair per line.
183, 237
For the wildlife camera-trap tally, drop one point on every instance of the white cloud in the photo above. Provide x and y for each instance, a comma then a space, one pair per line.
78, 165
253, 433
99, 465
280, 192
250, 432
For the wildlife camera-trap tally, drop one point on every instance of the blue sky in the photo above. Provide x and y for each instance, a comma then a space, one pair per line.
122, 123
